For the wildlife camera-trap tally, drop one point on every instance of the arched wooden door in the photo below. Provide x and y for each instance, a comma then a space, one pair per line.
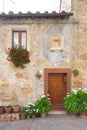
57, 84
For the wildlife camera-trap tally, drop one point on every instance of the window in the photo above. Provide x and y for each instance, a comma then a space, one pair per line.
19, 38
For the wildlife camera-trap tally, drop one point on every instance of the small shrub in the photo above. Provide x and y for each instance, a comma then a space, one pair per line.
75, 70
43, 105
30, 110
76, 102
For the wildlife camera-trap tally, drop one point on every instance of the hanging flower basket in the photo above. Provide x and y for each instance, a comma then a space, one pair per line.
19, 56
75, 71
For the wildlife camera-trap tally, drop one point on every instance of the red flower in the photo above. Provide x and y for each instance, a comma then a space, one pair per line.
25, 59
15, 53
9, 49
15, 59
18, 56
27, 53
7, 52
19, 63
20, 52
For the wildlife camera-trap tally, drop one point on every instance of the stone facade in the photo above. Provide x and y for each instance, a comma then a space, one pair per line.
21, 86
80, 42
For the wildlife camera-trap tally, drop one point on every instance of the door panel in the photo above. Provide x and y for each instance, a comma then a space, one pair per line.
57, 82
57, 88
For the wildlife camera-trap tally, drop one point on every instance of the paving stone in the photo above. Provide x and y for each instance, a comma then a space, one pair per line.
51, 122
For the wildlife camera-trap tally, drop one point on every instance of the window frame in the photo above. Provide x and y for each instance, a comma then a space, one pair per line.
19, 37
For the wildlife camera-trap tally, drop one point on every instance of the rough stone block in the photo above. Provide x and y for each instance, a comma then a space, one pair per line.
5, 117
15, 116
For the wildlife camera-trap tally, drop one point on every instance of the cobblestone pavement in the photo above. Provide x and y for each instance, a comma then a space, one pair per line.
51, 122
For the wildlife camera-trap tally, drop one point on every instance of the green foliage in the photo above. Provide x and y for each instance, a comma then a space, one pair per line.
40, 106
43, 105
75, 70
30, 110
18, 56
26, 110
76, 102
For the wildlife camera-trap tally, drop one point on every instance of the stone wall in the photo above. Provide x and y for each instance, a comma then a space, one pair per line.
80, 42
21, 86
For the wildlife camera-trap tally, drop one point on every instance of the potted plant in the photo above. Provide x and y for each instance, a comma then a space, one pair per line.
18, 56
75, 71
8, 109
33, 110
75, 102
84, 100
30, 110
2, 110
43, 105
16, 108
22, 115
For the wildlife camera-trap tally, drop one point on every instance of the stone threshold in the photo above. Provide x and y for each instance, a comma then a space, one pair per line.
58, 112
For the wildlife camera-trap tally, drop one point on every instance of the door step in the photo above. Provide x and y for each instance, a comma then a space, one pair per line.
57, 112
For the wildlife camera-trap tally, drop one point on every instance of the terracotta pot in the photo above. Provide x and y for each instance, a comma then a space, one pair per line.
43, 115
16, 109
33, 116
74, 114
2, 110
22, 116
83, 114
28, 117
75, 74
38, 115
38, 76
8, 109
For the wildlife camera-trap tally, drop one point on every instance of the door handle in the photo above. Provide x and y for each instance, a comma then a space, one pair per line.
65, 78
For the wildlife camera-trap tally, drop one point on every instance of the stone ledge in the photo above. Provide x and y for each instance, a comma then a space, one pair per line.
9, 117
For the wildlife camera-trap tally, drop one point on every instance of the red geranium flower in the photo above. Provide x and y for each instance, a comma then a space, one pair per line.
20, 52
27, 53
26, 59
18, 56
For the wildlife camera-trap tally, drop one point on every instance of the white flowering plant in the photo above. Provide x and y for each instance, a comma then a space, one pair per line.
43, 104
25, 110
76, 101
30, 110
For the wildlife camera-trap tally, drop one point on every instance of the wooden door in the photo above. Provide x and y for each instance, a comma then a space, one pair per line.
57, 83
57, 89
